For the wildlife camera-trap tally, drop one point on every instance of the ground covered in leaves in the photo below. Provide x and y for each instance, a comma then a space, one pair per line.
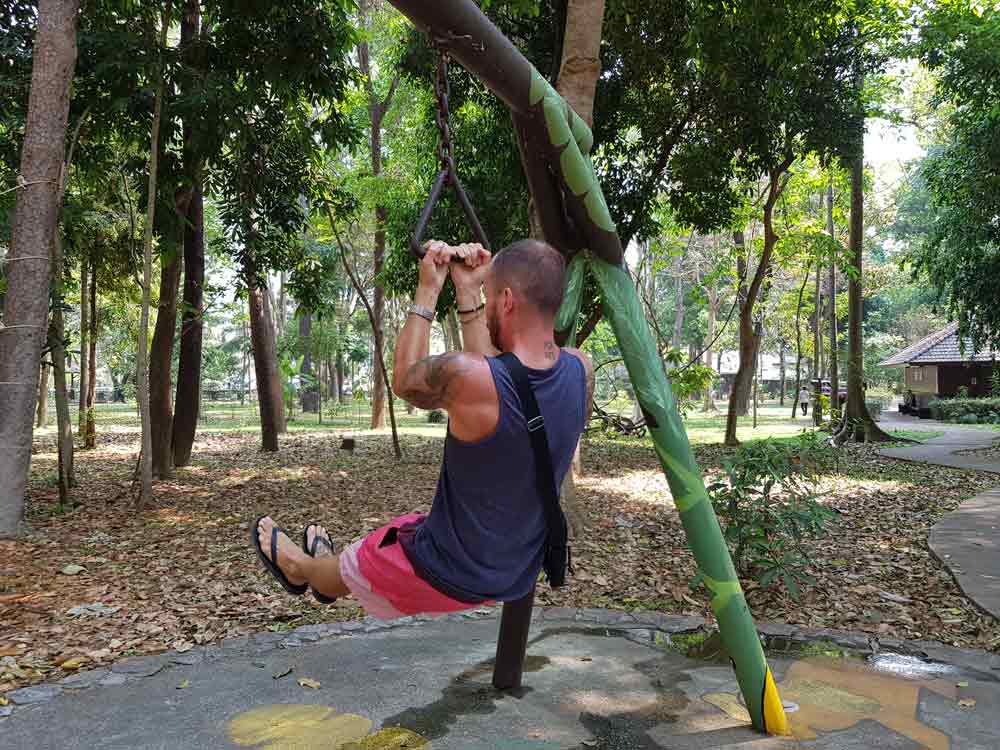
105, 579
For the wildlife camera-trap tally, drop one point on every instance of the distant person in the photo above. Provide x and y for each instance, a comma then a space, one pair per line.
804, 400
487, 534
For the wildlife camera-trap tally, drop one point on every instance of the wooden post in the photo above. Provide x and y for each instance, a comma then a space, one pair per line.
512, 642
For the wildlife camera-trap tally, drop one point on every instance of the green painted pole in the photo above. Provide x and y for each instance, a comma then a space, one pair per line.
545, 117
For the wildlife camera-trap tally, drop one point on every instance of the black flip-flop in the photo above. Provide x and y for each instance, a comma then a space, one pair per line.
272, 567
311, 551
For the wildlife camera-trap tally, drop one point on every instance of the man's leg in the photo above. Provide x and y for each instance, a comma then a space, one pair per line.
322, 573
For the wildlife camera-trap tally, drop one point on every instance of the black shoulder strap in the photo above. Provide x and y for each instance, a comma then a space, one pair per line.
544, 473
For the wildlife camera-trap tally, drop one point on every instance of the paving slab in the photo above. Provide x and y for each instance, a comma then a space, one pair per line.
965, 540
589, 683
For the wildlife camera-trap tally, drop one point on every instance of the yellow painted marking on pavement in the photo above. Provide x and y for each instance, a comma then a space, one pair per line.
311, 727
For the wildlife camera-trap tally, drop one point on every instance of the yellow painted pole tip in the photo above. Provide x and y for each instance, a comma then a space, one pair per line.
775, 721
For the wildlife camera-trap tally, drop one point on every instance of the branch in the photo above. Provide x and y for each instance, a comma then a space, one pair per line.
371, 319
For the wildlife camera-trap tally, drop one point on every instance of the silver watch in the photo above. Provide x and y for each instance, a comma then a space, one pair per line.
424, 312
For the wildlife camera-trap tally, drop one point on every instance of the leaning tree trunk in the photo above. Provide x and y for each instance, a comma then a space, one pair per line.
161, 354
834, 373
81, 421
29, 260
42, 418
265, 362
90, 431
749, 336
142, 371
857, 419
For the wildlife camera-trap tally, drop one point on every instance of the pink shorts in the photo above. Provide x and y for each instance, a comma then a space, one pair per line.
383, 581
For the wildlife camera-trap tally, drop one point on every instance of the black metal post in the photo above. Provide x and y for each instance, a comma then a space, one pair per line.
512, 643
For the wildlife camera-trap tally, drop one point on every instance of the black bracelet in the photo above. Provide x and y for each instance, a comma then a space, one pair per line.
473, 310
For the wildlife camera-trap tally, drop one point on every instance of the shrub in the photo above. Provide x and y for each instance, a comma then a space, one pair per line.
768, 509
874, 408
951, 409
436, 417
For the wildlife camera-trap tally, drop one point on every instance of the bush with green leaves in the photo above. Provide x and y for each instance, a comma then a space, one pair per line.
766, 502
874, 407
985, 410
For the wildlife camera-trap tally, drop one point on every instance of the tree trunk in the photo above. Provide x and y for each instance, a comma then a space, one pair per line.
781, 371
749, 333
90, 432
29, 260
579, 70
310, 390
161, 354
581, 56
858, 420
675, 341
798, 344
456, 330
834, 373
280, 313
187, 400
42, 419
187, 403
81, 421
265, 362
713, 311
818, 343
142, 380
741, 396
339, 368
57, 345
377, 107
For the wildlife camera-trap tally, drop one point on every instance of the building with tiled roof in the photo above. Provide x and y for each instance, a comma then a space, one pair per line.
940, 364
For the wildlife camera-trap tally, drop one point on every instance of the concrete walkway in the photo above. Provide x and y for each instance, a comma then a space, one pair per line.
594, 679
966, 540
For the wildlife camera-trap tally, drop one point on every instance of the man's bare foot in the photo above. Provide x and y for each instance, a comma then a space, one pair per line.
290, 556
314, 531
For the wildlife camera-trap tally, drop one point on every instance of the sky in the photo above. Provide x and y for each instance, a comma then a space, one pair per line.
887, 150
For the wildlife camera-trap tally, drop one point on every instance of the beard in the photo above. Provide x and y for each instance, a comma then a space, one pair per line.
493, 326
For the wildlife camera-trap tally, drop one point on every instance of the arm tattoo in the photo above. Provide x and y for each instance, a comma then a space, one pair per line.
428, 380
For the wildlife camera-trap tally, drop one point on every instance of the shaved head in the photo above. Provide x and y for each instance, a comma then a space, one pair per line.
535, 271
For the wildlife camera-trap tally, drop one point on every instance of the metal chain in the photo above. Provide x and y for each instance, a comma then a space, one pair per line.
442, 91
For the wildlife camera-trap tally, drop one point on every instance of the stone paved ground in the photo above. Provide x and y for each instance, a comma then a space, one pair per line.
967, 541
595, 679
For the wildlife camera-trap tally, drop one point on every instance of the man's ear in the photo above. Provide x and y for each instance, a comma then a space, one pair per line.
508, 299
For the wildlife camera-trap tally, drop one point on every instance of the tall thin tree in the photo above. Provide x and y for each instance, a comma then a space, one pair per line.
29, 261
142, 369
834, 371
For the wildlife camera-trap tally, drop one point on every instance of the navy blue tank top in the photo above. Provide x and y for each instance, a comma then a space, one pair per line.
483, 539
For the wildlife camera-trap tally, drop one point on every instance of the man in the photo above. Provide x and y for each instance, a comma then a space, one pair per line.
484, 537
804, 400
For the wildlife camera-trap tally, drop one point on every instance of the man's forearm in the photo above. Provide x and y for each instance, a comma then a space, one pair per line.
414, 342
475, 334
